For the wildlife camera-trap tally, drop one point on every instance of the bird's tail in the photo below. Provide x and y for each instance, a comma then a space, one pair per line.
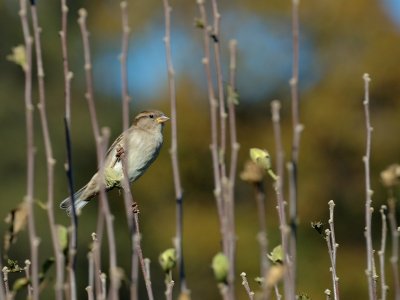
79, 203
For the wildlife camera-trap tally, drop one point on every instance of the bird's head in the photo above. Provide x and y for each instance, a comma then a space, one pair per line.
150, 120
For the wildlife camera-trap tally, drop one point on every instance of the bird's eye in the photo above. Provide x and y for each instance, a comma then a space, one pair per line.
151, 116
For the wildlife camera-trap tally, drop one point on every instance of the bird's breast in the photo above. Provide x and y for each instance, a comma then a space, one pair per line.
143, 150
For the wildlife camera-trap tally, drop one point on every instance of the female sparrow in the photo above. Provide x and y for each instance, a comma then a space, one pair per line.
144, 140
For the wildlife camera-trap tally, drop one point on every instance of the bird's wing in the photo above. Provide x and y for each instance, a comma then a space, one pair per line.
111, 158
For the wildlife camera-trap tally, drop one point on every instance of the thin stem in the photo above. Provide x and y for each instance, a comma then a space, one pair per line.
229, 238
135, 234
232, 98
91, 273
96, 265
103, 279
123, 59
284, 229
2, 279
73, 245
33, 238
142, 260
232, 114
5, 272
215, 35
381, 254
332, 248
327, 293
213, 118
174, 147
277, 293
262, 233
368, 194
99, 239
28, 277
394, 258
101, 143
126, 99
89, 291
245, 283
297, 128
169, 285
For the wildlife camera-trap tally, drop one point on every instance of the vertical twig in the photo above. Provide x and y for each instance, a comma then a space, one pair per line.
125, 124
123, 59
297, 128
5, 272
73, 244
169, 284
284, 229
144, 262
232, 101
28, 277
245, 283
332, 247
101, 143
262, 234
136, 234
227, 191
394, 258
217, 154
103, 279
33, 238
2, 279
232, 98
174, 148
381, 254
89, 288
67, 124
89, 291
327, 293
368, 194
213, 117
96, 265
215, 36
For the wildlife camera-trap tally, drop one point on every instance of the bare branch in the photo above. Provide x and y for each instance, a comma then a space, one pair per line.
174, 147
368, 194
101, 144
33, 238
381, 254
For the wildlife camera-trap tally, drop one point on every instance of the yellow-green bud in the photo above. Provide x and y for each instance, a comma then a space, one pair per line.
261, 158
220, 266
276, 255
168, 259
18, 56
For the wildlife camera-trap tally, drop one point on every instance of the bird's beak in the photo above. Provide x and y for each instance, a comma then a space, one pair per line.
162, 119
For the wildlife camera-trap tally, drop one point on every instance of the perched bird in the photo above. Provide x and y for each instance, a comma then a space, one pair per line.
144, 140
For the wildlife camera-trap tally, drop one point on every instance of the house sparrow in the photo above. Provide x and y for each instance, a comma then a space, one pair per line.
145, 140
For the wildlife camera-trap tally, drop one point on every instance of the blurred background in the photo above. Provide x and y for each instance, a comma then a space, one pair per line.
339, 41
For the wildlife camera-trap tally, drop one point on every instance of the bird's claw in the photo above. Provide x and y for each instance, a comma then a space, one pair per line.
120, 152
135, 208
